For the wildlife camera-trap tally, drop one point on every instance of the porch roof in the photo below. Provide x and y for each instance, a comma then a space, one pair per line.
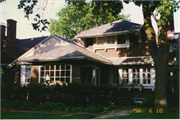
132, 60
69, 51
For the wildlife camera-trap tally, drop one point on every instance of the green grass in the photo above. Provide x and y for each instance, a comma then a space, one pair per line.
29, 115
147, 115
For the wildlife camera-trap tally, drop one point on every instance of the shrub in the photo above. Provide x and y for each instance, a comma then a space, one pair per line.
77, 109
148, 101
173, 100
17, 104
175, 109
75, 92
125, 101
7, 89
95, 108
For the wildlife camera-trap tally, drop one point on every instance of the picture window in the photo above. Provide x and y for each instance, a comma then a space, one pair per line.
55, 73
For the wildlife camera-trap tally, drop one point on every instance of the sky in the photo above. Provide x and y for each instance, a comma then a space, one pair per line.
8, 10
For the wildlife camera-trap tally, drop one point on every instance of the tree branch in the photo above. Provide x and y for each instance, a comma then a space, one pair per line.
154, 17
150, 33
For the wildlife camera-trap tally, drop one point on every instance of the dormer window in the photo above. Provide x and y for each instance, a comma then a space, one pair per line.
109, 42
100, 40
121, 39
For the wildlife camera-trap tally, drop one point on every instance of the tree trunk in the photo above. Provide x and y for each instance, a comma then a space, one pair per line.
159, 54
161, 65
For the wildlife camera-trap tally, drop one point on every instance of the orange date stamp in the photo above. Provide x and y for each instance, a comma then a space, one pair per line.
138, 110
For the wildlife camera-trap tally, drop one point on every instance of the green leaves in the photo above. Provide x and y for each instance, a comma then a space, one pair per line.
28, 6
165, 10
41, 24
79, 16
2, 72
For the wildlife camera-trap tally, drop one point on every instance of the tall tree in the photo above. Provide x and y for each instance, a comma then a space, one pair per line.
80, 16
159, 48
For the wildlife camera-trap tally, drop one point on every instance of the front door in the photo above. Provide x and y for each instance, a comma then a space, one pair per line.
91, 74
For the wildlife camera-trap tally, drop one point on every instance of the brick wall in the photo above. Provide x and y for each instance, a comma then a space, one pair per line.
76, 73
140, 49
17, 74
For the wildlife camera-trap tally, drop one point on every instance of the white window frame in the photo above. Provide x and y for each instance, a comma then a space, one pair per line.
115, 45
136, 78
120, 77
54, 77
130, 76
24, 73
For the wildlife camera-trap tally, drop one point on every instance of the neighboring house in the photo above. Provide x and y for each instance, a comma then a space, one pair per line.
115, 54
12, 48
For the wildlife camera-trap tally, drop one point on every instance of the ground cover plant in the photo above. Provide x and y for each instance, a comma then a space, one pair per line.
30, 115
53, 106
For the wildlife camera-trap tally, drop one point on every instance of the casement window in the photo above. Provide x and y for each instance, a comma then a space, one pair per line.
136, 76
125, 76
101, 40
111, 40
144, 76
25, 74
56, 74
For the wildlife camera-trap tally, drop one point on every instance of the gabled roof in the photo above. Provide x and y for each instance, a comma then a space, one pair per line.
118, 26
64, 50
24, 45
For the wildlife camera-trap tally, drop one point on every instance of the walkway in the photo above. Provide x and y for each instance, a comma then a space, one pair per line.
119, 111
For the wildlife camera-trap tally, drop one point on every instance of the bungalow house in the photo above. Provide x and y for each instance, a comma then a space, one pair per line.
115, 54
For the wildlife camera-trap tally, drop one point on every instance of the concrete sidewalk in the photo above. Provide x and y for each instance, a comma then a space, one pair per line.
119, 111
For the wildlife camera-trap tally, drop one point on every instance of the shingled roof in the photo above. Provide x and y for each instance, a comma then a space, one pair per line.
24, 45
132, 60
67, 51
116, 27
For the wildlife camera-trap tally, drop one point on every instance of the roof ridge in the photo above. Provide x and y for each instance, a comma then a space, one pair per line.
32, 37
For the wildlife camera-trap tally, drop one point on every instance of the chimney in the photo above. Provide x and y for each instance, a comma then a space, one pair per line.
11, 36
3, 28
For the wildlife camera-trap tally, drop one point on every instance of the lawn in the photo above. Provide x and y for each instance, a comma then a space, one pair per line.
29, 115
147, 115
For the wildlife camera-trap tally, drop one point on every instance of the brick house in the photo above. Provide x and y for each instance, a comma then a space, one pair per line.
115, 54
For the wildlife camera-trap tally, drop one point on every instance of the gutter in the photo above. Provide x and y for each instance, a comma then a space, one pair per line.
105, 34
65, 58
